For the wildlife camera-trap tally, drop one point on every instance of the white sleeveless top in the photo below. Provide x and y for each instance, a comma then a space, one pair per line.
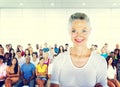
66, 74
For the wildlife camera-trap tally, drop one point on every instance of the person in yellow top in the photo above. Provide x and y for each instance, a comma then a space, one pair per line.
41, 73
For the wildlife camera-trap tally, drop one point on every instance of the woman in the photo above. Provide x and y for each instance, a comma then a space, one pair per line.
41, 53
1, 50
7, 59
46, 59
111, 73
13, 73
35, 58
27, 52
12, 53
2, 71
41, 73
79, 67
61, 49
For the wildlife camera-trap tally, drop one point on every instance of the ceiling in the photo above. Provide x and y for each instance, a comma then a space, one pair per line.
111, 4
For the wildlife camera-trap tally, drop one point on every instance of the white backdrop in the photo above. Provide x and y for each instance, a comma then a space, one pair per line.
23, 26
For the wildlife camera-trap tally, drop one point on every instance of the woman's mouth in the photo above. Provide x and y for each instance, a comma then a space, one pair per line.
79, 40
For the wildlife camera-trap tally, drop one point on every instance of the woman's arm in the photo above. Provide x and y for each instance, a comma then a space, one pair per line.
13, 75
37, 73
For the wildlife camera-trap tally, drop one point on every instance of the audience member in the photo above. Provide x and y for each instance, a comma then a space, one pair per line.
45, 49
13, 73
111, 73
41, 73
35, 58
27, 74
2, 71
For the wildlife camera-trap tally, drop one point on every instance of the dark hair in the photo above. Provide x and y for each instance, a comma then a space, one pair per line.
7, 54
16, 65
108, 58
2, 57
66, 44
41, 58
37, 46
28, 52
35, 54
1, 45
96, 45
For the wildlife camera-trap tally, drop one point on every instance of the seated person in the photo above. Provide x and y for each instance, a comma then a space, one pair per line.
13, 73
27, 74
2, 71
111, 73
41, 73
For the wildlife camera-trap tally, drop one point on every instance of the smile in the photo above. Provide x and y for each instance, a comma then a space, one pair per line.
79, 40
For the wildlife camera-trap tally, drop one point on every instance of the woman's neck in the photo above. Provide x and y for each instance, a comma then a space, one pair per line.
80, 51
109, 64
34, 58
41, 64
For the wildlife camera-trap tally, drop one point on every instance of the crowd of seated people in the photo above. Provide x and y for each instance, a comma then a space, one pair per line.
19, 67
14, 64
113, 63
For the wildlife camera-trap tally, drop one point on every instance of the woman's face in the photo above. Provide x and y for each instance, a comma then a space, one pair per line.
7, 56
26, 52
45, 55
110, 61
34, 56
42, 61
14, 61
79, 32
1, 61
12, 51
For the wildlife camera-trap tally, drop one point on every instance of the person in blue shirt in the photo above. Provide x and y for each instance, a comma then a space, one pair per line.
45, 49
56, 49
27, 74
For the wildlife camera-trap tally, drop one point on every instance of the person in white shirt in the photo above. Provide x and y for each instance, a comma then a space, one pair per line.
111, 73
35, 59
79, 66
21, 60
2, 71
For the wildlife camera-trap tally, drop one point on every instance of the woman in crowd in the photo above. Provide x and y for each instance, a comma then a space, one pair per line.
79, 67
27, 52
61, 49
12, 53
118, 70
111, 73
1, 50
19, 47
2, 71
40, 53
7, 58
46, 59
35, 58
13, 73
41, 73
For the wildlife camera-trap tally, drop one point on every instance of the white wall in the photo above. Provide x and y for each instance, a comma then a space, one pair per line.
23, 26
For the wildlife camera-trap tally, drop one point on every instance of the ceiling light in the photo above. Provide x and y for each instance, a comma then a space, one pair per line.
21, 4
52, 4
83, 4
114, 4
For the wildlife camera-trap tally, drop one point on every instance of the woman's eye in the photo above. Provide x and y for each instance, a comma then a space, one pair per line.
84, 31
73, 31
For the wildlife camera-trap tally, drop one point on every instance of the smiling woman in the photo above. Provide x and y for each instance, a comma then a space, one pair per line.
79, 67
